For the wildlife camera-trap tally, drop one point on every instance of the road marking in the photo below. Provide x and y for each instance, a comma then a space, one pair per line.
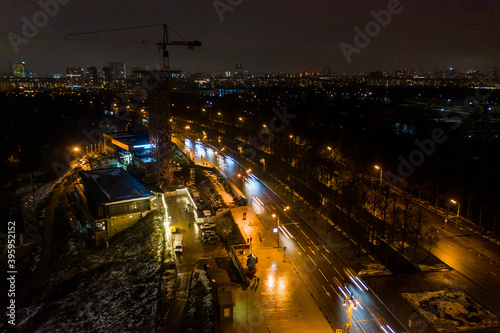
326, 258
319, 269
493, 273
326, 291
470, 259
304, 233
337, 272
337, 280
312, 260
325, 249
300, 254
301, 247
316, 246
334, 289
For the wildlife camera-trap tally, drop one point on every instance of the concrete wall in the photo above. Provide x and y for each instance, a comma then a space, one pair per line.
122, 222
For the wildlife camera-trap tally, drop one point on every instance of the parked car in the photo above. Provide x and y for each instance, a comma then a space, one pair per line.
211, 240
173, 229
207, 226
207, 234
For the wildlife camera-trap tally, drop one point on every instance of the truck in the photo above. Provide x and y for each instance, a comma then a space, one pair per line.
178, 243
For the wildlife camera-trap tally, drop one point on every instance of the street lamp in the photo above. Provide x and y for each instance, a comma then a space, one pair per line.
277, 229
458, 209
379, 168
353, 302
331, 151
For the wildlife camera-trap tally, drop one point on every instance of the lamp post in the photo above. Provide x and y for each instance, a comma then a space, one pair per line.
277, 229
379, 168
458, 210
331, 152
353, 302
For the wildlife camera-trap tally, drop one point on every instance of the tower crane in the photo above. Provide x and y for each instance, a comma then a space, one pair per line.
160, 130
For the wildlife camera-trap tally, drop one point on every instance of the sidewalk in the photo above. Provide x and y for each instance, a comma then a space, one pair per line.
277, 299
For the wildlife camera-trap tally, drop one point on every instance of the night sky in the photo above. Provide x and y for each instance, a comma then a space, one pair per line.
286, 36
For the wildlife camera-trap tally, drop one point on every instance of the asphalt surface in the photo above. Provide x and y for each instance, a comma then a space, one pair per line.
323, 270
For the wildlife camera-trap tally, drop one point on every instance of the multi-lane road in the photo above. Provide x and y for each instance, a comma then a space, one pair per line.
327, 275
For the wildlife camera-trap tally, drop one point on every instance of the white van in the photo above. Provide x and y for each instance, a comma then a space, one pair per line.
178, 243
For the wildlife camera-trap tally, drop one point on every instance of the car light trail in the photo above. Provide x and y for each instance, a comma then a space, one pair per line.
357, 278
287, 232
259, 201
342, 290
389, 327
284, 232
354, 281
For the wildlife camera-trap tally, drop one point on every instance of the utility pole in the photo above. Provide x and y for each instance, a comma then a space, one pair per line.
353, 302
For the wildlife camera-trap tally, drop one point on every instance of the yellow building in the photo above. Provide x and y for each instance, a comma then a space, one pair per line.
114, 200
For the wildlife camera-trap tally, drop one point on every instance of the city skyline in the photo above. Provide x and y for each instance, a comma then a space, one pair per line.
286, 38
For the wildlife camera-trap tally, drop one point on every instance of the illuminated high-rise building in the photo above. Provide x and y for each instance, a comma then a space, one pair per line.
20, 70
75, 77
118, 69
91, 76
107, 77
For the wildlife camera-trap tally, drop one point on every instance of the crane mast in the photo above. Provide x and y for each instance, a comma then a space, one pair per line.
160, 129
160, 114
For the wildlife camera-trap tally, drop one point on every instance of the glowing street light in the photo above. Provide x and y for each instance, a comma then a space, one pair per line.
331, 151
379, 168
353, 302
187, 127
458, 209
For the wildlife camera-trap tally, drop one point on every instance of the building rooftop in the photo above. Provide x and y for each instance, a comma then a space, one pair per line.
130, 141
113, 185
